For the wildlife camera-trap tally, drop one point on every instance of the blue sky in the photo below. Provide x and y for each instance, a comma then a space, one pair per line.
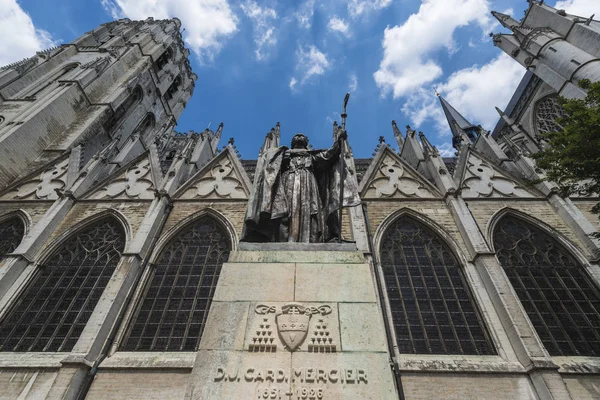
259, 62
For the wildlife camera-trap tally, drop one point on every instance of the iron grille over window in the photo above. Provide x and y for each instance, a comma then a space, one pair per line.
11, 233
560, 298
52, 312
432, 307
175, 303
547, 111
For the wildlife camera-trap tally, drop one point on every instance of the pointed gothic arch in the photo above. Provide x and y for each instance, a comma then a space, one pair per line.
559, 296
432, 307
174, 304
13, 227
52, 311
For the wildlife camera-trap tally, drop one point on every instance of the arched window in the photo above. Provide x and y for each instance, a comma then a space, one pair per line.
176, 300
146, 126
164, 58
11, 234
173, 88
52, 312
559, 297
547, 111
124, 110
433, 311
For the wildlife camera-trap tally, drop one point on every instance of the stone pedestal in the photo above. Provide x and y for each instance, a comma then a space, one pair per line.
294, 322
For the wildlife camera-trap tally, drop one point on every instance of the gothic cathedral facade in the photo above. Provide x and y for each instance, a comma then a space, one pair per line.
117, 236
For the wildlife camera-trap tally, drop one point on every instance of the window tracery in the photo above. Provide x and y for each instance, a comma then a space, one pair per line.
176, 301
11, 234
547, 111
54, 309
559, 297
432, 308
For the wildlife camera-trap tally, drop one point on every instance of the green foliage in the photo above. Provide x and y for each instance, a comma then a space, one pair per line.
572, 157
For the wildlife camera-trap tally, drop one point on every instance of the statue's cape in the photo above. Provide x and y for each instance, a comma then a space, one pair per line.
257, 223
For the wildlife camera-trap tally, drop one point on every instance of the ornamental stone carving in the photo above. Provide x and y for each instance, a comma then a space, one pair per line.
481, 180
393, 180
44, 186
293, 326
220, 182
134, 183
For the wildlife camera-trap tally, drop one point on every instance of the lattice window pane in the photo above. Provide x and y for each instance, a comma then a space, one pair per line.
547, 111
433, 311
559, 297
11, 233
176, 301
52, 312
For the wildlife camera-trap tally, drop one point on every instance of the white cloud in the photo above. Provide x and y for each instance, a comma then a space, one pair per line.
338, 25
305, 13
293, 83
111, 9
353, 85
446, 150
472, 91
406, 65
207, 23
359, 7
264, 30
311, 62
19, 38
582, 8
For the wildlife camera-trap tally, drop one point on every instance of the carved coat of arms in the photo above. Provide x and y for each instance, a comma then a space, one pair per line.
293, 321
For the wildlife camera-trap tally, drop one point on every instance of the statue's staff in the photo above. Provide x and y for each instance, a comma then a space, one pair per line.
342, 161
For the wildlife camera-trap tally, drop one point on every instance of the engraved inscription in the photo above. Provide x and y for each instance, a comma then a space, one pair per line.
310, 382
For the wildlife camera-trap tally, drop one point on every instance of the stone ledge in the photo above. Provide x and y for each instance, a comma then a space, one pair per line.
138, 360
246, 246
441, 363
578, 365
32, 360
313, 256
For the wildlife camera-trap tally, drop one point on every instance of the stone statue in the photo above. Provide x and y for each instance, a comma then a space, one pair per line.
296, 194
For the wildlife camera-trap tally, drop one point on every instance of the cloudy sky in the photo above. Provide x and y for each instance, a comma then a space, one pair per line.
263, 61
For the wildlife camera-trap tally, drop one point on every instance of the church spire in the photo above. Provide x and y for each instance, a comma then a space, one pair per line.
519, 30
214, 141
398, 136
461, 128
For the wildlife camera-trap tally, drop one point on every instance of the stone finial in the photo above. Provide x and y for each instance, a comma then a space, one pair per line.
428, 148
381, 139
231, 141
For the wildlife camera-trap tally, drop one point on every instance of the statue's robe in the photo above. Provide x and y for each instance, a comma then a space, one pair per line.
296, 196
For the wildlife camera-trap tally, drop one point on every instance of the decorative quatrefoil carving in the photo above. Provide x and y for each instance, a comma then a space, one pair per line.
44, 186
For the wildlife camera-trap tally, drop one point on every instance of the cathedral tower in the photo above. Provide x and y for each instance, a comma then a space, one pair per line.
122, 78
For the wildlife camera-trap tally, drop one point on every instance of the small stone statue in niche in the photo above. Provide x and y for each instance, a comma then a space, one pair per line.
296, 195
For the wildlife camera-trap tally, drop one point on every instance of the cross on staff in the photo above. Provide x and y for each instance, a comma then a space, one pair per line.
342, 158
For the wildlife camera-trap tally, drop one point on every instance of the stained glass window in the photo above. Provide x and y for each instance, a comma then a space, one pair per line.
560, 298
547, 111
176, 301
53, 310
432, 308
11, 233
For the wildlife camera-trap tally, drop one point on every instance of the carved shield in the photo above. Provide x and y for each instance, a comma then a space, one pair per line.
292, 329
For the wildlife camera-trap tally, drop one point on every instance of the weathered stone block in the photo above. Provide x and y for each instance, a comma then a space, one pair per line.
287, 256
335, 283
226, 326
341, 376
236, 375
255, 282
361, 327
